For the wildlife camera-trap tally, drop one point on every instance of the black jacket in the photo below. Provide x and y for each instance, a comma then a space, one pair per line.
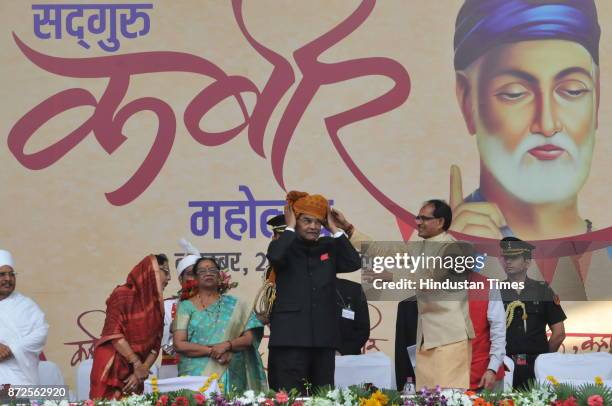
305, 311
353, 333
405, 335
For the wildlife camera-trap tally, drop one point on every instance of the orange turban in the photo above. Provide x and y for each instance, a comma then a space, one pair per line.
303, 203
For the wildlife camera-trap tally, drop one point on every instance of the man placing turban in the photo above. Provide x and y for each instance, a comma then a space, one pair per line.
304, 330
527, 83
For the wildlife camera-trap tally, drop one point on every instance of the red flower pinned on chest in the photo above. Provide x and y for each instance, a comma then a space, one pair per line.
189, 289
324, 257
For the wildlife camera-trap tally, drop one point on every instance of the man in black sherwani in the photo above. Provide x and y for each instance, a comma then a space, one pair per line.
304, 328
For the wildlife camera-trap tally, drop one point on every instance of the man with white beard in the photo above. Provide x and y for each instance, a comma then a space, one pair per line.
23, 330
528, 88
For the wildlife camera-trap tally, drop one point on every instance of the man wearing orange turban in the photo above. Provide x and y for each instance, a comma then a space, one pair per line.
304, 329
312, 205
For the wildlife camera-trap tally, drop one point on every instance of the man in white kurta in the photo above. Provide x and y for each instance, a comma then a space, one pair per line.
184, 272
23, 330
444, 327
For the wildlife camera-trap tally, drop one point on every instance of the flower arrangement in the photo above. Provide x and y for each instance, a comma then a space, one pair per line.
154, 385
210, 379
377, 398
551, 393
584, 395
226, 282
189, 289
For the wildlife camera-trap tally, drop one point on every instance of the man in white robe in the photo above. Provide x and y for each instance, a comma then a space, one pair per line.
23, 330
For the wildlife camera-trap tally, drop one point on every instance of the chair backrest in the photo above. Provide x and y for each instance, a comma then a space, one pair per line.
82, 379
49, 374
574, 367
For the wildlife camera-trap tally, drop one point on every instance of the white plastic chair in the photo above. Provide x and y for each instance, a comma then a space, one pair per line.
82, 379
49, 374
373, 367
574, 368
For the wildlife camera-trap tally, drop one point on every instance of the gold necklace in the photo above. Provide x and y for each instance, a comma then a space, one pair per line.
205, 306
216, 311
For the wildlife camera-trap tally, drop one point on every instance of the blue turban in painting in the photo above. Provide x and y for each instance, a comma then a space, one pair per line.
484, 24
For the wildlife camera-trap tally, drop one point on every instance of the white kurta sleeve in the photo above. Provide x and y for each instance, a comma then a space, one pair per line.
497, 322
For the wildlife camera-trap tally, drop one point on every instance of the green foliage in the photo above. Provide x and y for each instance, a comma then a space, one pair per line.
585, 391
492, 396
535, 393
565, 390
395, 397
360, 390
321, 391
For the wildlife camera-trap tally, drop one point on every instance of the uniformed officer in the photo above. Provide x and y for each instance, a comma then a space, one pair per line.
278, 225
530, 306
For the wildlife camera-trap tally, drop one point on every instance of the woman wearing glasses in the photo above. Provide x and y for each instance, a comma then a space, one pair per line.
216, 333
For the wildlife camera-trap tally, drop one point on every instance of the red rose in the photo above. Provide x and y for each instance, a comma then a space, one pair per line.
282, 397
181, 401
571, 401
595, 400
199, 398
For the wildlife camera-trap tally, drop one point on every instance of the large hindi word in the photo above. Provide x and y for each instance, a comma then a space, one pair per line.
230, 261
85, 348
586, 342
240, 214
111, 112
95, 19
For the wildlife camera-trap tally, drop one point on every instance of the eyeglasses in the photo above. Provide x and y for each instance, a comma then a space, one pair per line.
424, 218
10, 274
202, 272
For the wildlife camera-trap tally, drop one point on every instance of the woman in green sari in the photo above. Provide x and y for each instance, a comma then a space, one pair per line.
216, 333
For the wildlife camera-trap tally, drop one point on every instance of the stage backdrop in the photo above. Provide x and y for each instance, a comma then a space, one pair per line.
127, 125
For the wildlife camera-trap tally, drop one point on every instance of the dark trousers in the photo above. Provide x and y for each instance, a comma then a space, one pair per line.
292, 367
523, 374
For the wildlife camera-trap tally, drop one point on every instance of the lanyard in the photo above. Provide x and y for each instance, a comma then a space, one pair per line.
344, 306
